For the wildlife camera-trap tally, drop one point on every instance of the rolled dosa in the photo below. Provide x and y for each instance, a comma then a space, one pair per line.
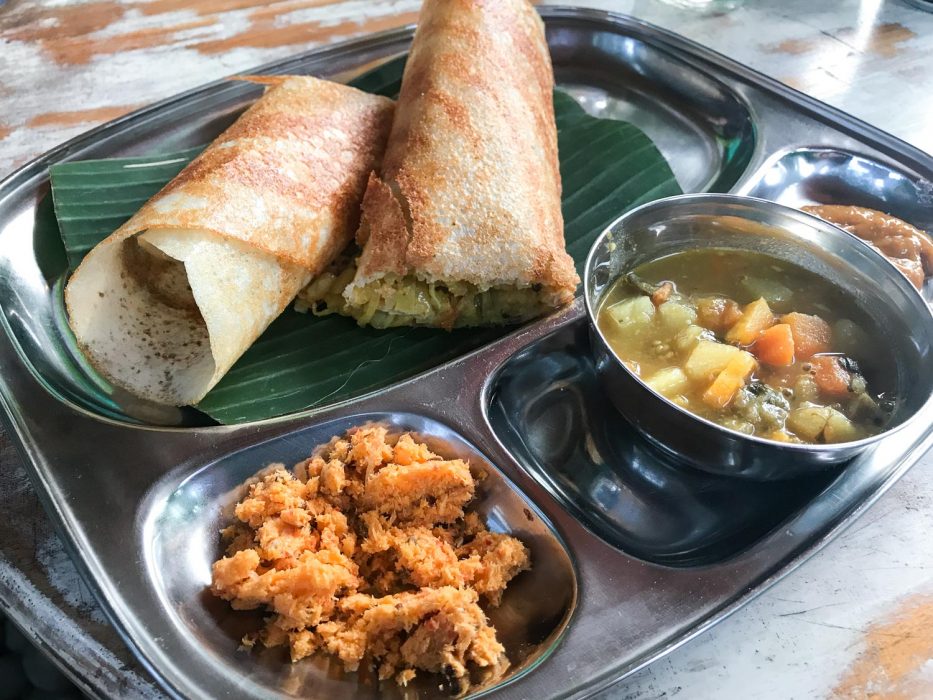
463, 224
167, 303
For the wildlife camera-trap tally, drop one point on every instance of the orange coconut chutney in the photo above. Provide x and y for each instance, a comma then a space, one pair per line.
368, 551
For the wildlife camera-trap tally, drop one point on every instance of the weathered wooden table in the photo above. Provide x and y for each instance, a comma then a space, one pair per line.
855, 621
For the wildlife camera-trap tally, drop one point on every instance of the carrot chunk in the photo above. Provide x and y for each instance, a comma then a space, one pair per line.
830, 376
662, 294
775, 346
812, 334
756, 317
730, 380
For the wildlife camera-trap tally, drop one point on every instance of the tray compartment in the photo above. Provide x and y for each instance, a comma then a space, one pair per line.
702, 126
549, 410
184, 516
833, 176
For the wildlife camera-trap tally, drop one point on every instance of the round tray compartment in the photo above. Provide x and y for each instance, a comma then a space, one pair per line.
182, 521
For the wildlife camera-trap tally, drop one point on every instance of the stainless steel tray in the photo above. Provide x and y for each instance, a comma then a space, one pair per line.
645, 555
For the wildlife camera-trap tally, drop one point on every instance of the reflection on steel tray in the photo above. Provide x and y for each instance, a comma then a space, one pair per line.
620, 593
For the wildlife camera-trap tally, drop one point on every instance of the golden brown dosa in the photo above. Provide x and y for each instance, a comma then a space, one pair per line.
167, 303
466, 207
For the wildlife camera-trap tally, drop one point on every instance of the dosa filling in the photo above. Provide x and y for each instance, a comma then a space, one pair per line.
395, 300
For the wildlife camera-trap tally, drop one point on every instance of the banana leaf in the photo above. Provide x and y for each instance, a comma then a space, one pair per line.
302, 361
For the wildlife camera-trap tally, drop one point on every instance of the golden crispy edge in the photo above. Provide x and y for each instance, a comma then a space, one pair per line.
286, 178
310, 198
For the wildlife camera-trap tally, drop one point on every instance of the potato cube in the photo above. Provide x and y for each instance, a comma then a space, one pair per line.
805, 388
707, 360
732, 378
849, 338
756, 317
675, 317
687, 339
669, 382
770, 290
808, 421
633, 312
839, 428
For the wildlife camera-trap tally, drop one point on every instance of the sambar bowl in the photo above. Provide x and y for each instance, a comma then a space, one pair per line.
687, 222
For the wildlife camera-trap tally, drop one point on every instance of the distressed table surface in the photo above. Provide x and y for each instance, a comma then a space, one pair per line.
855, 621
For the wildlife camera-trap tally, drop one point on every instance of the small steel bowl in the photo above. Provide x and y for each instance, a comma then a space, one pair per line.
686, 222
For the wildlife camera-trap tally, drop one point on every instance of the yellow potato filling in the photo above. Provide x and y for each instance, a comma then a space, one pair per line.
396, 300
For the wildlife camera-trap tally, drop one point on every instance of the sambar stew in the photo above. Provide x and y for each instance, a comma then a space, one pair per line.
750, 342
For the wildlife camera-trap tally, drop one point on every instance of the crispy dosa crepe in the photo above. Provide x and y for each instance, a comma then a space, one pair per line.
463, 225
166, 304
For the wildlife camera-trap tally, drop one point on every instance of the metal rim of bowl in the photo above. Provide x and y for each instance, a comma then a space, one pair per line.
592, 309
